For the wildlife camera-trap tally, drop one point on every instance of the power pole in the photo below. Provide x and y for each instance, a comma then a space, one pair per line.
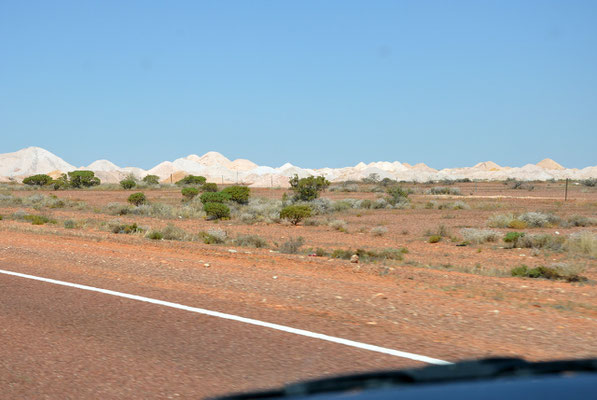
566, 191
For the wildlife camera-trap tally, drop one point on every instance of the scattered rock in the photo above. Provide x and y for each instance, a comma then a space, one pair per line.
354, 259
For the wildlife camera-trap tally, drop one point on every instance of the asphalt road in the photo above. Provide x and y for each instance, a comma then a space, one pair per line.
61, 342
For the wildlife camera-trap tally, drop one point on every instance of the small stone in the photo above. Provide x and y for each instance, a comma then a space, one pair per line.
275, 277
206, 265
354, 259
232, 251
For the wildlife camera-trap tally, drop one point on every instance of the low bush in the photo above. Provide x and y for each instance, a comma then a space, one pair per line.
189, 193
580, 220
292, 245
172, 232
506, 221
116, 227
250, 241
70, 224
479, 236
192, 180
38, 219
583, 243
216, 210
238, 194
338, 224
295, 213
512, 237
371, 255
539, 219
214, 197
434, 238
155, 235
214, 236
379, 230
456, 205
521, 185
307, 189
555, 272
592, 182
455, 191
209, 187
137, 199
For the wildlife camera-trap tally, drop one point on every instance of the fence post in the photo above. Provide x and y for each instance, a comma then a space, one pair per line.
566, 191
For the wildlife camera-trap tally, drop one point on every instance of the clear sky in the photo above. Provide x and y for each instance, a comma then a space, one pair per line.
316, 83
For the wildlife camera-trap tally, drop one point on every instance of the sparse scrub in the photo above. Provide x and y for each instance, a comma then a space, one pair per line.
172, 232
592, 182
155, 235
250, 241
397, 195
38, 219
371, 256
584, 242
116, 226
258, 210
539, 219
479, 236
339, 225
580, 220
70, 224
295, 213
555, 272
437, 190
214, 236
522, 185
379, 230
505, 221
292, 245
344, 187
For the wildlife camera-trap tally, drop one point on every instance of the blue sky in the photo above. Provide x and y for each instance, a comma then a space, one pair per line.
315, 83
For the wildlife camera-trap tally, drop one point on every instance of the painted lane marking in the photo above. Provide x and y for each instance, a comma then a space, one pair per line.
237, 318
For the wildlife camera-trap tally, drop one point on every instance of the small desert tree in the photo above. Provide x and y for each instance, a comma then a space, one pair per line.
61, 182
192, 180
38, 180
128, 183
209, 187
151, 179
307, 189
295, 213
137, 199
216, 210
79, 179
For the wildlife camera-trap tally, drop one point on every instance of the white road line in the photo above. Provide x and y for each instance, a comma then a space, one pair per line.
251, 321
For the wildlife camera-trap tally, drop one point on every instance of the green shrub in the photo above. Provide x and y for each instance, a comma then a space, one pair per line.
192, 180
479, 236
307, 189
189, 193
209, 187
137, 199
366, 203
580, 220
557, 272
517, 224
155, 235
295, 213
455, 191
434, 238
292, 246
512, 237
80, 179
151, 180
216, 210
70, 224
124, 228
338, 224
128, 183
583, 243
61, 182
379, 230
238, 194
38, 180
38, 219
214, 197
250, 241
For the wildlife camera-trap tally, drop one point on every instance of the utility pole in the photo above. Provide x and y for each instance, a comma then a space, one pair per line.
566, 191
